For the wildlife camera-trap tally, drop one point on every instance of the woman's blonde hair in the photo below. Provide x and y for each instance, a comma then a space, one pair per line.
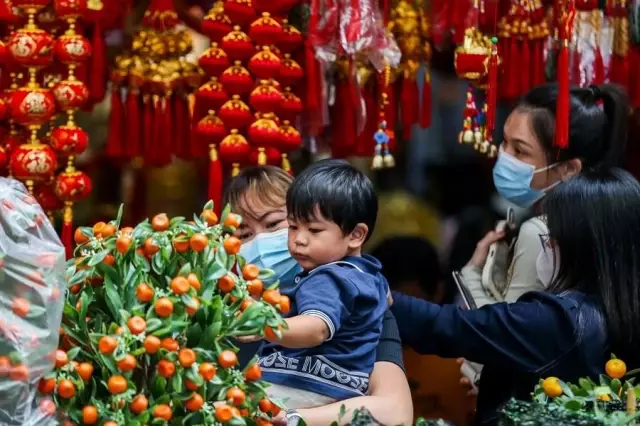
268, 184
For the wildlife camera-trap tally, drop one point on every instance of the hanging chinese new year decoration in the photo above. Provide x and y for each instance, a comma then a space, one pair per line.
69, 140
31, 105
150, 92
246, 113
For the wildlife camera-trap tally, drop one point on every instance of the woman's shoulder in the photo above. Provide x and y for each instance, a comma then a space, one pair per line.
532, 229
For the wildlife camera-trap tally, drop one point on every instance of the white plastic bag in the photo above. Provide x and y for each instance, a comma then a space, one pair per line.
32, 286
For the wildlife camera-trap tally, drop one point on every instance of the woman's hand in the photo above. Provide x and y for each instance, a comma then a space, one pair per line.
482, 248
465, 382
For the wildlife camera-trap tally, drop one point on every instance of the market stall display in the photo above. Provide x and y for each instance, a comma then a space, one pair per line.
149, 321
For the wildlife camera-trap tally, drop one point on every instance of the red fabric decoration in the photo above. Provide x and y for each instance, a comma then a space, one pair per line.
67, 237
562, 107
147, 132
97, 76
133, 146
116, 141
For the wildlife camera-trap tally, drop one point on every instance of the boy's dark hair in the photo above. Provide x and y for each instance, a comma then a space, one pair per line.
341, 193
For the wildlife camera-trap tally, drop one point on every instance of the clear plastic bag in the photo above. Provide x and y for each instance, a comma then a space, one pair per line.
32, 285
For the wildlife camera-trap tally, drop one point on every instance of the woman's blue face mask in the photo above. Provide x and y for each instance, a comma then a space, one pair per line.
512, 179
269, 250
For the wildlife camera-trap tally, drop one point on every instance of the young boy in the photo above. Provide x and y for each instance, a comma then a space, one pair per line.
338, 301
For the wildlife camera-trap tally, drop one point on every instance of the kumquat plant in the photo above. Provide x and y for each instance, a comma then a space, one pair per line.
148, 328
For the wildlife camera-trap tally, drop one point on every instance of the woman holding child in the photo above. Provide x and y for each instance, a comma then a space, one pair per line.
259, 195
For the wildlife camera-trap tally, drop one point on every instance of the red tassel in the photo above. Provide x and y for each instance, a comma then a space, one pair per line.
177, 146
313, 101
343, 120
156, 143
5, 11
525, 66
134, 118
425, 111
115, 140
634, 83
98, 74
147, 122
215, 179
538, 63
67, 231
391, 115
512, 82
410, 105
562, 106
623, 71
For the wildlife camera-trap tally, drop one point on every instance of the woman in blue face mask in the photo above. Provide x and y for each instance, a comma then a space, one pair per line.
258, 194
528, 167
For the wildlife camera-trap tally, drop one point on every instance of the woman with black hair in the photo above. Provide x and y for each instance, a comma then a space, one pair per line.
530, 165
590, 310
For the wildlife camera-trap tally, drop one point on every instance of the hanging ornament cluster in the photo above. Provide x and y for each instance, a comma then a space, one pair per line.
363, 55
477, 61
248, 110
42, 72
523, 32
150, 92
590, 49
411, 28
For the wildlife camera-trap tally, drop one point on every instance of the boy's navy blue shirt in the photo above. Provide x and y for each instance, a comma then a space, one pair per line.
350, 296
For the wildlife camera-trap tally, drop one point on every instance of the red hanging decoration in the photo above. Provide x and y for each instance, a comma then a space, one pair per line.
116, 140
562, 107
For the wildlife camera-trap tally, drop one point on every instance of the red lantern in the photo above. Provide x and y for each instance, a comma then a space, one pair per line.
265, 97
211, 129
212, 94
290, 138
72, 185
265, 64
69, 140
234, 149
13, 140
290, 39
236, 79
70, 9
290, 107
70, 94
4, 55
47, 198
72, 49
214, 60
235, 114
240, 11
33, 162
216, 25
265, 30
32, 106
31, 48
264, 132
238, 45
290, 72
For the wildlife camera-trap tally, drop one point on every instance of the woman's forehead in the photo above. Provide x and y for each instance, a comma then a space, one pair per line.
257, 206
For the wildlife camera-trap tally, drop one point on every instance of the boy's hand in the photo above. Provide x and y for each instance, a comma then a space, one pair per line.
248, 339
389, 300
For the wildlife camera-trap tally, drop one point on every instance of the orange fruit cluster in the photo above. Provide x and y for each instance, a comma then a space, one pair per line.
150, 320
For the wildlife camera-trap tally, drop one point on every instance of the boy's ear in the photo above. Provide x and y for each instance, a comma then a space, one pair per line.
358, 236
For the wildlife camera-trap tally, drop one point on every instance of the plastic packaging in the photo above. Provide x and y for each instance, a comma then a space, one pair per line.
32, 285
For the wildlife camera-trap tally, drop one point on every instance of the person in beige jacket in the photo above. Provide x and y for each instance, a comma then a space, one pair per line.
529, 165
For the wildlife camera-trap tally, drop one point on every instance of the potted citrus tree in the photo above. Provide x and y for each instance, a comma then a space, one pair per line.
148, 328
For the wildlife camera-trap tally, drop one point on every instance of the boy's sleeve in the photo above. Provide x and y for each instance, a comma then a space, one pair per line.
323, 296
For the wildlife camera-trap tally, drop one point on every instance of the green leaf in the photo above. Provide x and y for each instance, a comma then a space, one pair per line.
265, 274
73, 353
157, 263
585, 384
615, 385
158, 386
217, 271
193, 376
194, 333
237, 421
113, 301
176, 383
221, 259
185, 270
176, 221
153, 324
85, 300
119, 216
208, 205
163, 332
98, 257
573, 404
